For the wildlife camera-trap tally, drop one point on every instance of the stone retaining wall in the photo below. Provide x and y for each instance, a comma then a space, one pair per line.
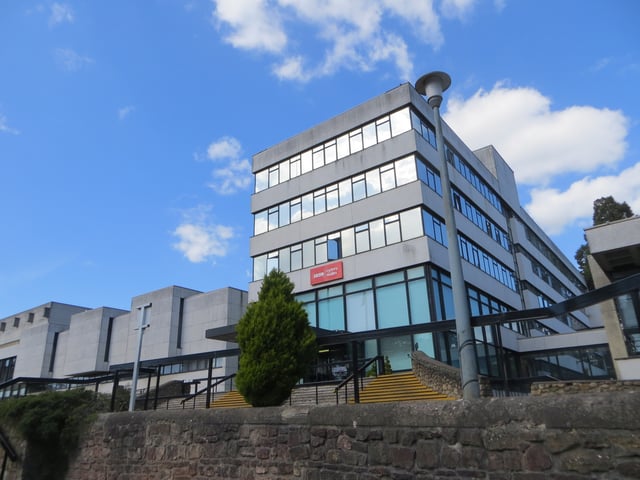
572, 437
585, 386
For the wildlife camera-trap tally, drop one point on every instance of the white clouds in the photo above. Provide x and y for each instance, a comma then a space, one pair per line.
354, 35
124, 112
232, 172
60, 13
71, 61
199, 239
5, 127
556, 210
254, 26
538, 142
546, 146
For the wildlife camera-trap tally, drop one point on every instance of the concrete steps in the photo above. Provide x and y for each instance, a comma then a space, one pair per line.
231, 399
398, 387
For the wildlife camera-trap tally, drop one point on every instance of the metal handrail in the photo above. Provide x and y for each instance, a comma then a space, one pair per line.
203, 390
358, 372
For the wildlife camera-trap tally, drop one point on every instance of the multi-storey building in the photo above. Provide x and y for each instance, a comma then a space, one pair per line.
352, 211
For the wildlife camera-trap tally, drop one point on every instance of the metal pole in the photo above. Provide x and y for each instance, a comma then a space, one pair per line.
432, 85
136, 366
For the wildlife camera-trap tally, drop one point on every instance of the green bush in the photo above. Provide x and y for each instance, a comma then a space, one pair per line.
52, 423
277, 345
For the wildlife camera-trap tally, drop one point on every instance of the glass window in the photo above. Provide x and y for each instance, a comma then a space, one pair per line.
423, 342
358, 285
333, 247
260, 222
359, 188
259, 267
392, 229
284, 171
296, 210
391, 302
396, 348
360, 311
273, 218
373, 182
389, 278
411, 224
308, 249
295, 166
400, 122
272, 261
355, 141
330, 154
332, 197
285, 259
387, 177
376, 229
331, 314
419, 301
306, 161
405, 170
383, 128
362, 238
284, 214
348, 242
273, 175
417, 272
296, 257
343, 146
318, 157
369, 135
319, 202
307, 205
344, 188
262, 180
321, 250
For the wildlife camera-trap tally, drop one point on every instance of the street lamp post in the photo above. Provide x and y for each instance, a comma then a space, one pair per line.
432, 85
142, 324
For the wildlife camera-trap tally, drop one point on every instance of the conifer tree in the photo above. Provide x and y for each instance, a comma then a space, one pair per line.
277, 344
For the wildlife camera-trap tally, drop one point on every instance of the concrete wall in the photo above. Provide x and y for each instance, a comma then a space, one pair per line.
561, 437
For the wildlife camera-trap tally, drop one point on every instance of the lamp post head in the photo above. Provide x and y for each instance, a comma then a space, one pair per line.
432, 85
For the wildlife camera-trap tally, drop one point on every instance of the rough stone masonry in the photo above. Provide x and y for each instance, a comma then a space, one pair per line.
572, 437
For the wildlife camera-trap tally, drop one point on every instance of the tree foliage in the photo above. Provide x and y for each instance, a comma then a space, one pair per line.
605, 209
277, 344
52, 423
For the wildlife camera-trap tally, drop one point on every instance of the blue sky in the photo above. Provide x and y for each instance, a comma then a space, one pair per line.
127, 127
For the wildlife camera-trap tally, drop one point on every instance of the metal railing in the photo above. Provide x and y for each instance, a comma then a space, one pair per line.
208, 390
358, 379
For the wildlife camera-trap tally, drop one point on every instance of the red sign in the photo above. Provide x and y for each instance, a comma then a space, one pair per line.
326, 273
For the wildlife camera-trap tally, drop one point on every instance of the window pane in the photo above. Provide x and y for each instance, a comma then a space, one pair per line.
330, 154
262, 180
359, 188
397, 349
362, 238
321, 251
345, 192
392, 306
424, 343
296, 212
355, 141
383, 129
358, 285
389, 278
284, 171
331, 314
373, 182
387, 178
295, 166
318, 157
419, 301
417, 272
273, 176
392, 229
284, 214
348, 243
296, 257
369, 135
305, 158
319, 204
272, 262
405, 170
333, 249
307, 254
343, 146
400, 122
307, 206
332, 197
285, 260
273, 218
259, 267
260, 222
360, 312
376, 229
411, 224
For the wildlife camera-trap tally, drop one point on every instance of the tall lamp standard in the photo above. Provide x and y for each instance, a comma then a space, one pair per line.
432, 85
